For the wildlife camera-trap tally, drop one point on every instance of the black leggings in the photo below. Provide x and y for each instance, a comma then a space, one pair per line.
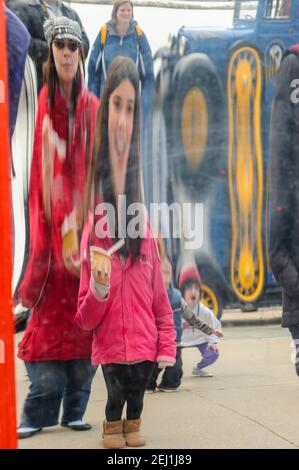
126, 383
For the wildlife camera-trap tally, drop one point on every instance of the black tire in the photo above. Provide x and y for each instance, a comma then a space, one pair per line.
211, 297
198, 125
159, 170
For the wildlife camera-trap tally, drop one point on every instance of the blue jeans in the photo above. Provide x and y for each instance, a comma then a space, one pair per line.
54, 382
208, 356
294, 330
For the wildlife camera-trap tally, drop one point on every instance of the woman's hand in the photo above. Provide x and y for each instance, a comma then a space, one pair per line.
70, 243
71, 265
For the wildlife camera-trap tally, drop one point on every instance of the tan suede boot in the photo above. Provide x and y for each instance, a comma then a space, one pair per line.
131, 433
113, 434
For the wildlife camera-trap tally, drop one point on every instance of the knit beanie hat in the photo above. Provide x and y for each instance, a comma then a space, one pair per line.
189, 275
61, 27
116, 5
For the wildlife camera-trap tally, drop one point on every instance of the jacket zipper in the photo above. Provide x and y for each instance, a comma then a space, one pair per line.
122, 304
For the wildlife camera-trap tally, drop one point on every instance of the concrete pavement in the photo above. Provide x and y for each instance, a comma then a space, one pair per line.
262, 316
251, 402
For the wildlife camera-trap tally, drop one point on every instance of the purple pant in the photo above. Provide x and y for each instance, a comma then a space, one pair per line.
208, 356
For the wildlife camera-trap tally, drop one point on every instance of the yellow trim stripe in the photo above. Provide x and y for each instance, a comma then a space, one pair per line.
245, 171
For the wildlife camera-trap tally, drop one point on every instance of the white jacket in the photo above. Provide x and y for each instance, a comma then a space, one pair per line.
193, 336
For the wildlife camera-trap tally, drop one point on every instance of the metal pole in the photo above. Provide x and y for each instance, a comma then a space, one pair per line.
8, 439
181, 4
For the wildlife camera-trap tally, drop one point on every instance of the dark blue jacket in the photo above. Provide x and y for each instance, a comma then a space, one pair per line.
18, 39
175, 298
284, 188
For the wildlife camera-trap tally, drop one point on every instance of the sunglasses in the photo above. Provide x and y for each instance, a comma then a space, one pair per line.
61, 44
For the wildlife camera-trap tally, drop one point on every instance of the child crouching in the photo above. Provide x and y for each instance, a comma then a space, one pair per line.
172, 376
189, 284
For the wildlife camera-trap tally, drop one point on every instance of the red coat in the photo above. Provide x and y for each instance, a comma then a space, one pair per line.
135, 322
47, 287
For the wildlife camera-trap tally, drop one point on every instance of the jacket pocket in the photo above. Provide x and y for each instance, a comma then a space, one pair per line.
144, 278
23, 346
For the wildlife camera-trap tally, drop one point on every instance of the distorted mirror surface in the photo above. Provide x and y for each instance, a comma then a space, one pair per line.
155, 207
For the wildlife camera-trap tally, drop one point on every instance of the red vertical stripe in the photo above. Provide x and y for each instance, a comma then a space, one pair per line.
7, 370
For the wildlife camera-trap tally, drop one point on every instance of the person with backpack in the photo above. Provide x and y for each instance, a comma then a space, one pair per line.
121, 36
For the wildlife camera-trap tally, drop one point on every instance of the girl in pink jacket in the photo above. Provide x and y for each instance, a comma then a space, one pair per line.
122, 297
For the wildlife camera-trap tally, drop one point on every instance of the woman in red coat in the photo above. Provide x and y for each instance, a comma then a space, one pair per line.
56, 352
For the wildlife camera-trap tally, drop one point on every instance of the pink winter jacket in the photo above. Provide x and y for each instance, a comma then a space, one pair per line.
135, 322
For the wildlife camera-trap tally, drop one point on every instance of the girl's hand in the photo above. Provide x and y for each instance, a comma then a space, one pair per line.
214, 347
100, 267
164, 364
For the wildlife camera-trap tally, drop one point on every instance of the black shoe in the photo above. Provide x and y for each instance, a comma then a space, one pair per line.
24, 435
77, 427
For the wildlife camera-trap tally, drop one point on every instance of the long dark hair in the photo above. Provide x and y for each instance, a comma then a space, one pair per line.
121, 69
51, 78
